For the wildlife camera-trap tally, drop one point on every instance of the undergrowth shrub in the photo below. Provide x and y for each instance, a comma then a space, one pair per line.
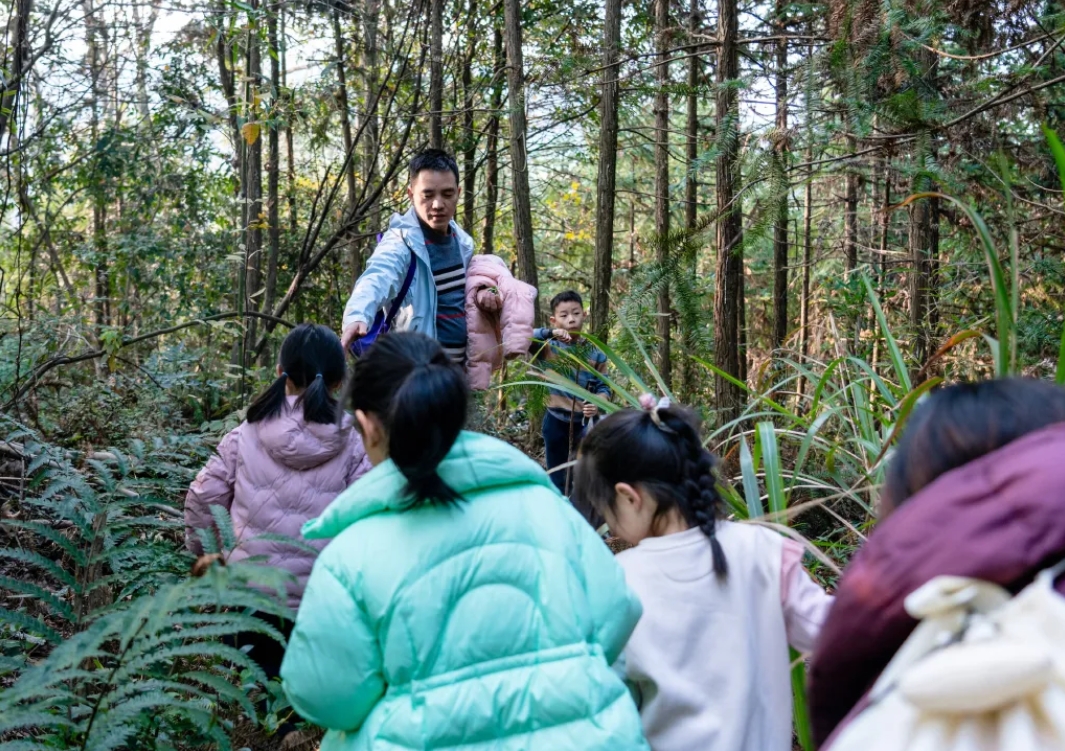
105, 643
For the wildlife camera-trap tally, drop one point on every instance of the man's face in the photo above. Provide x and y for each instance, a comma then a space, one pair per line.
435, 196
569, 316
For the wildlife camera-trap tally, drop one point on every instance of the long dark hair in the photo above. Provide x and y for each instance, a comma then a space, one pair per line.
313, 359
667, 458
408, 382
961, 423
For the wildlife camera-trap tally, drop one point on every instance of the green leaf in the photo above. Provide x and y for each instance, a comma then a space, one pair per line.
901, 372
774, 482
750, 482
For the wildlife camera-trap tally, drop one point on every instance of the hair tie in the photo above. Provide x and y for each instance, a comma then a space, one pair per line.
653, 407
284, 375
317, 376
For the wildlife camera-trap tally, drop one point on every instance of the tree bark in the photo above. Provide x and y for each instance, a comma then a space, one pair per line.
436, 73
12, 85
273, 208
661, 109
606, 180
519, 161
727, 300
780, 154
290, 161
469, 136
491, 166
354, 252
691, 189
850, 211
371, 133
253, 182
807, 262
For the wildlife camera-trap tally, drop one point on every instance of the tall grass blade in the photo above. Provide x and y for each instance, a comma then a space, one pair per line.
801, 709
897, 362
774, 482
750, 482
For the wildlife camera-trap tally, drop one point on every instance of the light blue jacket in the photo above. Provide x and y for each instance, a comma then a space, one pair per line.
386, 270
486, 626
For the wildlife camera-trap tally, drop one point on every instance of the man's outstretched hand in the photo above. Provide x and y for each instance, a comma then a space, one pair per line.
351, 333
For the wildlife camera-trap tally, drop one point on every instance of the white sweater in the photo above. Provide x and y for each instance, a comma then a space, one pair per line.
708, 663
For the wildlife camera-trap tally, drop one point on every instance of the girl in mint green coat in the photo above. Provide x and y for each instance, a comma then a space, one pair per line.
463, 602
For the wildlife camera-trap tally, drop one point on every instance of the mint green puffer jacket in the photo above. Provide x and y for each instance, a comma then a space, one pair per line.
487, 625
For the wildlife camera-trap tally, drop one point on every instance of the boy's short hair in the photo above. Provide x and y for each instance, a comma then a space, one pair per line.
436, 160
568, 296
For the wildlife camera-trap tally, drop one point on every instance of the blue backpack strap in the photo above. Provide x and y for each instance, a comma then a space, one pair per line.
397, 302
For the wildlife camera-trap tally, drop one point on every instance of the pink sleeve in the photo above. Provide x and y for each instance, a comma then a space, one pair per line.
804, 602
212, 487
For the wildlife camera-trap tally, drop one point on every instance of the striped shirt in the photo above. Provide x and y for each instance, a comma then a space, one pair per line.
449, 275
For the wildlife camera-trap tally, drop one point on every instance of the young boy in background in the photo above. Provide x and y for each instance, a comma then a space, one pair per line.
567, 415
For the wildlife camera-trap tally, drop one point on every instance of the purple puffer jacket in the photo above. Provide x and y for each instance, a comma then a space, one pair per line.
272, 476
1000, 518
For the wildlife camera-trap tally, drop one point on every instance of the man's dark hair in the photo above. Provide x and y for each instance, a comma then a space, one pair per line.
436, 160
568, 296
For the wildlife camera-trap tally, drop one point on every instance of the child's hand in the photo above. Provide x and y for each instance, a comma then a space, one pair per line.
590, 410
562, 335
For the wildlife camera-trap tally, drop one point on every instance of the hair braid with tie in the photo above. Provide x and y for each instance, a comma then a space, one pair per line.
658, 449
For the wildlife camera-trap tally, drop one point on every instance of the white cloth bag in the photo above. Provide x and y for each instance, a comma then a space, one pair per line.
981, 672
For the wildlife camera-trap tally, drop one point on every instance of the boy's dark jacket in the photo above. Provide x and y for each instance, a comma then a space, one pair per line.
1000, 518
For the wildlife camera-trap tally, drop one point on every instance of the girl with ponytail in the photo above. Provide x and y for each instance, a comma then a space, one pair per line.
708, 663
463, 602
282, 466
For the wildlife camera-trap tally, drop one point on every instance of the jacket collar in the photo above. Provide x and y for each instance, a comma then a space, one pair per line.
476, 463
410, 230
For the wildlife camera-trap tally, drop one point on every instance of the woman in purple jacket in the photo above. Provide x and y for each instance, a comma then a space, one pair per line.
977, 489
279, 468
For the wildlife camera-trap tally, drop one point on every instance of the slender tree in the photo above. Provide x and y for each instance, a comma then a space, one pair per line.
606, 179
436, 73
728, 300
469, 136
780, 156
491, 166
519, 160
661, 110
273, 158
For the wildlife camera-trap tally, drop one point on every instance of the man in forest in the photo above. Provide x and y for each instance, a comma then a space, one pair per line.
427, 241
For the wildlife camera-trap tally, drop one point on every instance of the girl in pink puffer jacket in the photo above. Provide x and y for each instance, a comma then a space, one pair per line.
499, 318
279, 468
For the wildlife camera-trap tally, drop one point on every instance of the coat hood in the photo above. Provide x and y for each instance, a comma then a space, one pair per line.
475, 463
1000, 518
295, 443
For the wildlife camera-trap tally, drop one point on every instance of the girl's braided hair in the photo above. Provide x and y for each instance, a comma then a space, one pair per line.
658, 449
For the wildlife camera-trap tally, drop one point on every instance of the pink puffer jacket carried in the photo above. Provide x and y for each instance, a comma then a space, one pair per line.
499, 317
272, 476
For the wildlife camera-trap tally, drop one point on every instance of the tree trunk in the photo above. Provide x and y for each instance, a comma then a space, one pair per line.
371, 135
850, 211
97, 46
273, 213
436, 73
661, 108
12, 84
354, 262
290, 161
253, 181
606, 180
691, 190
807, 261
727, 300
780, 155
491, 166
519, 161
469, 137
